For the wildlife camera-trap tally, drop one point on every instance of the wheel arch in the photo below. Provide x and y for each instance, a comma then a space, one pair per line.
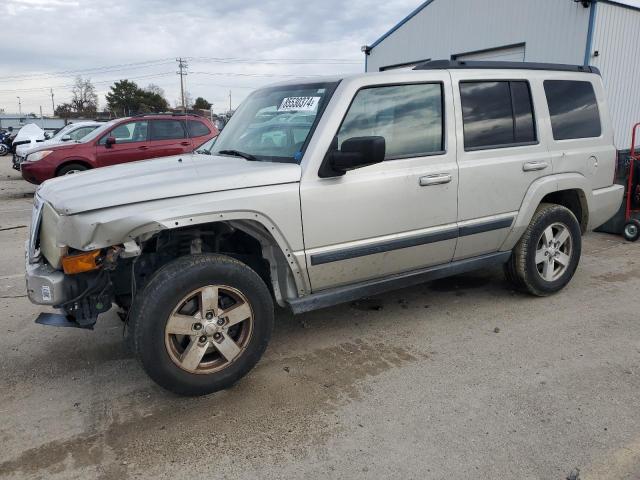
571, 190
69, 161
287, 270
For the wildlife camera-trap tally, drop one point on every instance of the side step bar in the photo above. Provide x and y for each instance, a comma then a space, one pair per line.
348, 293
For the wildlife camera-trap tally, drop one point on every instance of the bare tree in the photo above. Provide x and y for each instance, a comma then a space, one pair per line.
153, 88
84, 100
188, 100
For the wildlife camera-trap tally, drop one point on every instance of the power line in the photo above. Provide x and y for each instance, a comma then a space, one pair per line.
71, 85
166, 61
88, 71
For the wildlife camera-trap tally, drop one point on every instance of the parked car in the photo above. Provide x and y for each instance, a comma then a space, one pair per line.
71, 132
119, 141
402, 177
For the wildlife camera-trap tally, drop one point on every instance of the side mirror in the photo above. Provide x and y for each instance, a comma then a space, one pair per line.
357, 152
110, 141
66, 138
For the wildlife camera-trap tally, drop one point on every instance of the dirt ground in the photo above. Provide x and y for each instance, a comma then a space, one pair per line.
459, 378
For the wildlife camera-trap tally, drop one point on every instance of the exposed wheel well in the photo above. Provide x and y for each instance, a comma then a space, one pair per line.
575, 201
246, 241
77, 162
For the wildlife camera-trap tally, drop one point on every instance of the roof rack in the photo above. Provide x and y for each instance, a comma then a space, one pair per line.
462, 64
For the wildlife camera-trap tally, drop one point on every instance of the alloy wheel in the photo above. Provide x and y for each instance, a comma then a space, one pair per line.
208, 329
553, 252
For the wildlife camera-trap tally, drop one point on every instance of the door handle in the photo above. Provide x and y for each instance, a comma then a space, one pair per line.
185, 144
533, 166
143, 147
437, 179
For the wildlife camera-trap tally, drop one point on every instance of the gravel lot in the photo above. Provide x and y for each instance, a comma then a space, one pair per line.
460, 378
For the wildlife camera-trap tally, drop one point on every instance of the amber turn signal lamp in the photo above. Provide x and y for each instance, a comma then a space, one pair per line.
82, 262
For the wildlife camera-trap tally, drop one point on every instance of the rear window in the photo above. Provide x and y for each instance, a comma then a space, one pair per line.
573, 109
497, 114
197, 129
166, 130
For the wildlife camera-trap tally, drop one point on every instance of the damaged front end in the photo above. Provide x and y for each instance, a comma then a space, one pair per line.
80, 295
75, 282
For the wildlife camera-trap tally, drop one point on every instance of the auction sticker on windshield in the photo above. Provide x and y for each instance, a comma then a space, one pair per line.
304, 104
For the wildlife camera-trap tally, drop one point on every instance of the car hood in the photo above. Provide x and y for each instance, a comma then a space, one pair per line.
160, 178
27, 148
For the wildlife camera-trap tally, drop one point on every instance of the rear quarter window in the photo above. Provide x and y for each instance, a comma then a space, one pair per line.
197, 129
573, 109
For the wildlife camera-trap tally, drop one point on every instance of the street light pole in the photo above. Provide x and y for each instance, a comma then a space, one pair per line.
19, 107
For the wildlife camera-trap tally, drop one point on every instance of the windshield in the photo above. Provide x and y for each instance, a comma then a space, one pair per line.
62, 131
273, 124
99, 131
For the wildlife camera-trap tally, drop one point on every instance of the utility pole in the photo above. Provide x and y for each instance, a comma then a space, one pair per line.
53, 105
182, 71
19, 107
41, 118
229, 100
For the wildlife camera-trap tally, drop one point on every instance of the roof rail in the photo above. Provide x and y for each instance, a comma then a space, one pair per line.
463, 64
167, 114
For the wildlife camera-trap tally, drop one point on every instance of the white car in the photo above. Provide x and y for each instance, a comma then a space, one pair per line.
387, 180
71, 132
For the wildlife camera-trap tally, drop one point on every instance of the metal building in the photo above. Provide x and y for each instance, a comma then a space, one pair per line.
603, 33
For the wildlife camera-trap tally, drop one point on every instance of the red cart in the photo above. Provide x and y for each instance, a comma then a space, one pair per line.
632, 201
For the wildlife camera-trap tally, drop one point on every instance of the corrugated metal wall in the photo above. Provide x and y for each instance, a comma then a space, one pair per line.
552, 30
616, 38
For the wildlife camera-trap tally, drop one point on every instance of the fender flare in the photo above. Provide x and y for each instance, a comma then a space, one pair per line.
69, 160
536, 192
289, 278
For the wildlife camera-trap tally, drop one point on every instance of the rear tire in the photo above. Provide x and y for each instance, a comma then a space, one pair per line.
547, 255
185, 332
71, 169
3, 149
631, 230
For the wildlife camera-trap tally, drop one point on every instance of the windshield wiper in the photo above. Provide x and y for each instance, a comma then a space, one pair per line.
238, 153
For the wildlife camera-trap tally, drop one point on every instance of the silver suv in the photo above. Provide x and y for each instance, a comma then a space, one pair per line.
325, 191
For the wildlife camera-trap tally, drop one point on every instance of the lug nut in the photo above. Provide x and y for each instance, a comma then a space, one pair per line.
203, 338
209, 315
197, 326
220, 321
217, 336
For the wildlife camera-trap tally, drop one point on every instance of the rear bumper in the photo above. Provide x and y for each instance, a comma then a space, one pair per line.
605, 203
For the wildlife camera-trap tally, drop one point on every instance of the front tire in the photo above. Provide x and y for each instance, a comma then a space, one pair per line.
71, 168
547, 255
201, 323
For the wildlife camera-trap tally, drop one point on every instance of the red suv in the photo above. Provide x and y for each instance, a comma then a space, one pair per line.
120, 141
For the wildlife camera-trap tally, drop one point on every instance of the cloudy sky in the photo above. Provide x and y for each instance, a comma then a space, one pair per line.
140, 39
231, 45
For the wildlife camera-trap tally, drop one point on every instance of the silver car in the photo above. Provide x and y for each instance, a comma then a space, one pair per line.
325, 191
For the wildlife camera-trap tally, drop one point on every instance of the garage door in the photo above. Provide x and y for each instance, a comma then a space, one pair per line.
513, 53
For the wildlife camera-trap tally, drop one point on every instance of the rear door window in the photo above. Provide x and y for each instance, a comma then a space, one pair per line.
166, 130
497, 114
573, 109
